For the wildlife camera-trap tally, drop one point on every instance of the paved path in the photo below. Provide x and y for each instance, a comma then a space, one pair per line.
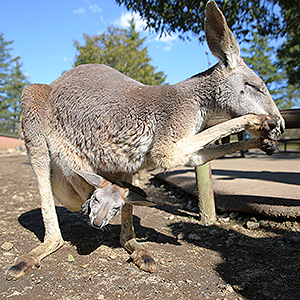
257, 183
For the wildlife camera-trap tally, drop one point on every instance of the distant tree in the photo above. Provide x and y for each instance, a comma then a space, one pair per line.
121, 49
16, 83
289, 52
261, 57
289, 58
12, 81
290, 96
5, 61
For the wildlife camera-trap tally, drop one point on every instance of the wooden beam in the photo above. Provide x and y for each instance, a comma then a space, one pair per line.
291, 117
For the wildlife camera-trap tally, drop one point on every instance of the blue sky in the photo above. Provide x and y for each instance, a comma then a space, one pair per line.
44, 31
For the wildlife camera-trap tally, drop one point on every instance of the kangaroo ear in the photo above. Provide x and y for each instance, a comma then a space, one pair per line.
136, 199
219, 37
92, 179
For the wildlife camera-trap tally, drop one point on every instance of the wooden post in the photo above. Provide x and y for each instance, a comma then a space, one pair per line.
206, 200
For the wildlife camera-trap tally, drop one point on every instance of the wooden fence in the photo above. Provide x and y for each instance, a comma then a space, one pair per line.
206, 199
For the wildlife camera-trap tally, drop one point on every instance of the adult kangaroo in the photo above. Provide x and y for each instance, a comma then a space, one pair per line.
90, 129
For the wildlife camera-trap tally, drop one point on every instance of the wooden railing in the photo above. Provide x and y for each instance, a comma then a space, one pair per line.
291, 117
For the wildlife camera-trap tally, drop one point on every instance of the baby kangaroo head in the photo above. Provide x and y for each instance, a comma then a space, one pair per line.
105, 203
108, 199
240, 91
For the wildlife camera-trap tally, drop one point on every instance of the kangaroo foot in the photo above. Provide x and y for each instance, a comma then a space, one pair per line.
30, 261
23, 265
144, 260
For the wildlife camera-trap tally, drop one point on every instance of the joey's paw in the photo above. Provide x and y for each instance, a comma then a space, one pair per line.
85, 207
269, 146
144, 260
23, 266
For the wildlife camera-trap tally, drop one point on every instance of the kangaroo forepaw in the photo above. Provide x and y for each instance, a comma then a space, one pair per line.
265, 126
270, 128
268, 123
144, 260
23, 266
269, 146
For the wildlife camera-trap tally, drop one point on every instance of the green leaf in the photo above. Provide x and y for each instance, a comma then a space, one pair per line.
71, 258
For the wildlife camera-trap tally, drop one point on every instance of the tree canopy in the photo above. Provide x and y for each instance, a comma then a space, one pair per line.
187, 17
122, 49
275, 18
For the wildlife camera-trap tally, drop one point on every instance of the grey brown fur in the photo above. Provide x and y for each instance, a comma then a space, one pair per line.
98, 121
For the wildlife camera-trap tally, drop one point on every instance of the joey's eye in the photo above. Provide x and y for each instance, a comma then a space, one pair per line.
242, 92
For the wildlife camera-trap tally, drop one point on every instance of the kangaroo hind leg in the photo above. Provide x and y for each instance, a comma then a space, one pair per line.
39, 157
53, 239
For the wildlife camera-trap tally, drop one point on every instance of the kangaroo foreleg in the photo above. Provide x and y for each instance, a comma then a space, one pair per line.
213, 152
194, 148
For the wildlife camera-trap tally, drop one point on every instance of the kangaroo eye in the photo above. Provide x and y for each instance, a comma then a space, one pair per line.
255, 87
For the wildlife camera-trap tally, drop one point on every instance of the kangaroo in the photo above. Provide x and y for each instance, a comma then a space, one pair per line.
88, 131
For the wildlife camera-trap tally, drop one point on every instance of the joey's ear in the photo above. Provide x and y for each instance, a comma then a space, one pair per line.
219, 37
92, 179
136, 199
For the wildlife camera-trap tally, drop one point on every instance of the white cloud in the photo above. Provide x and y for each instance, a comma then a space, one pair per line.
79, 11
167, 40
167, 48
101, 19
124, 19
66, 59
95, 8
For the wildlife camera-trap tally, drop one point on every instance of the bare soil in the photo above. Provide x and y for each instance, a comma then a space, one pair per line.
225, 261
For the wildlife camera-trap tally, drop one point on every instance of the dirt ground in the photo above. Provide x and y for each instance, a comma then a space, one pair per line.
234, 259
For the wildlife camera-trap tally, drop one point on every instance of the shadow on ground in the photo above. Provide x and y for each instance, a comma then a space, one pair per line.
258, 268
75, 229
